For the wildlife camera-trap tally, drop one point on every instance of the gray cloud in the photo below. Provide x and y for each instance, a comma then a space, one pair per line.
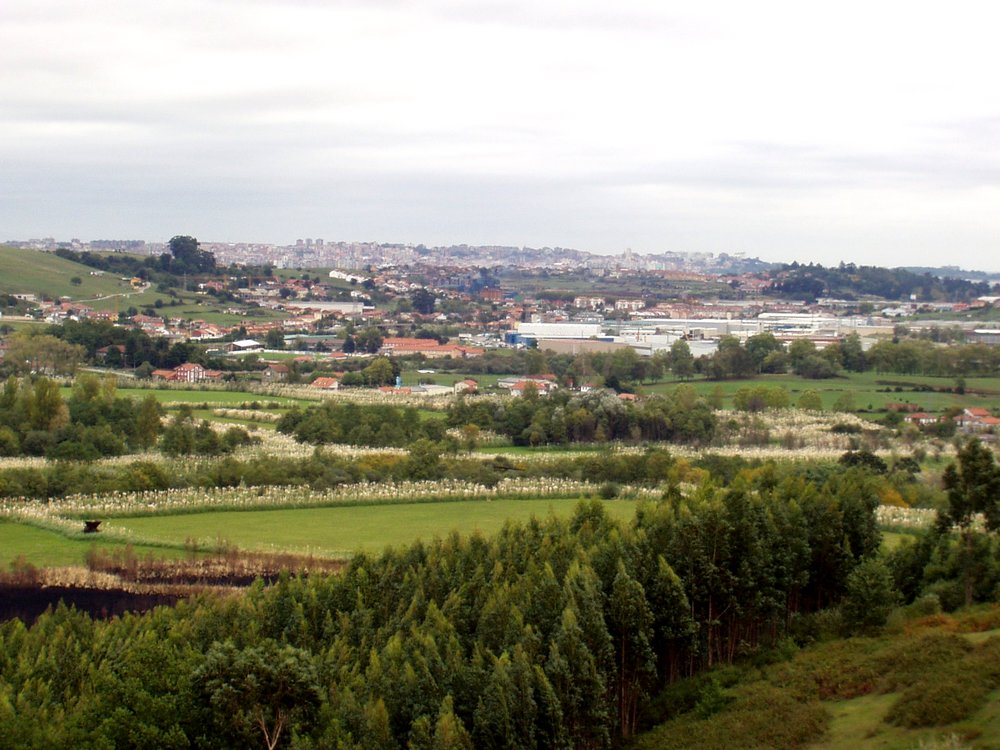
646, 125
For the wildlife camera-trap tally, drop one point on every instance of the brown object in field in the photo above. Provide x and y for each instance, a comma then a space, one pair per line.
90, 527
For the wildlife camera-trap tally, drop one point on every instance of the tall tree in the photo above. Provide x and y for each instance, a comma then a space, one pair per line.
973, 487
262, 691
681, 360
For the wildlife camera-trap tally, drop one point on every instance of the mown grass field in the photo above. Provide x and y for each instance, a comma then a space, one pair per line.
327, 532
339, 532
48, 275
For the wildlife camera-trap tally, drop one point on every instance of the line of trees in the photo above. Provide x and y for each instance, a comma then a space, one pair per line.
94, 422
552, 634
357, 424
763, 353
597, 416
849, 281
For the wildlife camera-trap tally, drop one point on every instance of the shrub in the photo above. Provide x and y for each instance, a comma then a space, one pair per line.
940, 700
949, 593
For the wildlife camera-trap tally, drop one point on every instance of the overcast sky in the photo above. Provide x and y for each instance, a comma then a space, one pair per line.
856, 131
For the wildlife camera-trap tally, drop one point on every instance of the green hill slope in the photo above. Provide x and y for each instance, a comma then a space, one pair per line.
47, 275
931, 684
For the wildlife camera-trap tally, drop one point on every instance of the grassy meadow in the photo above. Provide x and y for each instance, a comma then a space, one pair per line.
335, 532
48, 275
871, 391
339, 532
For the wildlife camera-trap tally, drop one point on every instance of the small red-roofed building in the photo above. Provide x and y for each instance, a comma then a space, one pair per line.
466, 386
326, 384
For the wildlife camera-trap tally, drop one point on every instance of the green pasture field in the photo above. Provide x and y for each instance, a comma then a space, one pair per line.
24, 325
869, 390
46, 549
210, 312
440, 377
48, 275
138, 300
339, 532
222, 398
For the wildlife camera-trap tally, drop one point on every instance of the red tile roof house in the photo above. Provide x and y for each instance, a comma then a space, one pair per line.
428, 347
326, 384
189, 372
977, 411
976, 419
466, 386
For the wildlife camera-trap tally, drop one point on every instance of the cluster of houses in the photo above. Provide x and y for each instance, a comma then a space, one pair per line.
972, 420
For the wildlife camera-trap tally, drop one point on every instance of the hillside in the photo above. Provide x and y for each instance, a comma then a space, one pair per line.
930, 682
47, 275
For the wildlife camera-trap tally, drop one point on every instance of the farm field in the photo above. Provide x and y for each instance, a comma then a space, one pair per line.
340, 532
871, 391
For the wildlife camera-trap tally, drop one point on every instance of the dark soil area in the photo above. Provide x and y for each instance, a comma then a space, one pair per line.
28, 602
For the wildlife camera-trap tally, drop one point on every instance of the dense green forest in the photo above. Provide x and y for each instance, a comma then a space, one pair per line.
552, 634
549, 635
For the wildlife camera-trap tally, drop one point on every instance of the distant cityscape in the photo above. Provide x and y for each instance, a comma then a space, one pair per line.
318, 253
